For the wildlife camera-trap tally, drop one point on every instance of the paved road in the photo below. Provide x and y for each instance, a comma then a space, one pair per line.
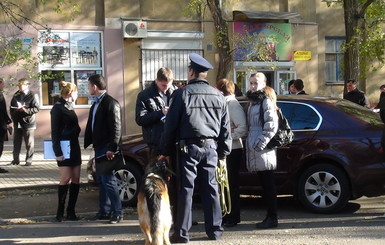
362, 222
29, 193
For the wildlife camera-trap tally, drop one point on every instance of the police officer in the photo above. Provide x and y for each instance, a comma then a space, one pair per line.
198, 121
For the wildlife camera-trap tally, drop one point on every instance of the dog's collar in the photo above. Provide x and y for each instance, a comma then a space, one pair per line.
157, 176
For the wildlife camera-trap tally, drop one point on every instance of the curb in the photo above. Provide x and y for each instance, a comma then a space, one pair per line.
52, 218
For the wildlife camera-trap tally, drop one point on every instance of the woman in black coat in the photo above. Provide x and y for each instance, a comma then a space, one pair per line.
65, 126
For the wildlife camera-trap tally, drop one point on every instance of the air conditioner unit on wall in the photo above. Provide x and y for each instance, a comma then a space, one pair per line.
134, 29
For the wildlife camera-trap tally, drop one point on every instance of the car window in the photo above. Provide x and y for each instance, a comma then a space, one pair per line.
300, 116
359, 112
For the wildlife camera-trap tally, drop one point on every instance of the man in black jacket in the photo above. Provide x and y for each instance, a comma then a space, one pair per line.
152, 107
355, 95
198, 120
24, 106
103, 131
5, 122
298, 87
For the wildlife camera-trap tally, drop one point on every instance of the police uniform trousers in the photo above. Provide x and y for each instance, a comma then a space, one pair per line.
199, 163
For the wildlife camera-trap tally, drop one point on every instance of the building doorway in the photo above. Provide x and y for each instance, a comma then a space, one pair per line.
277, 79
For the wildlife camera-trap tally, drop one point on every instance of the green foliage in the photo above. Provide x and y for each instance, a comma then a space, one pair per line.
13, 52
67, 8
333, 3
370, 35
194, 8
372, 44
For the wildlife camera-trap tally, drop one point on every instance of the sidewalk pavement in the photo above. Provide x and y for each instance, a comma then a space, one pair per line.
42, 172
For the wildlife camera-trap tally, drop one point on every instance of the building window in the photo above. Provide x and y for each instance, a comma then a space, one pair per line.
71, 56
177, 60
334, 59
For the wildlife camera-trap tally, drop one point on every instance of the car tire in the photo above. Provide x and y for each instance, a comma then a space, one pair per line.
128, 180
323, 188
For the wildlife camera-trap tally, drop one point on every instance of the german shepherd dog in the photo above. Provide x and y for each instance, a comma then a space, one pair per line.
153, 205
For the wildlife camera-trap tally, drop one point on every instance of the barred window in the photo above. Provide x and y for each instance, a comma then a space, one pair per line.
175, 59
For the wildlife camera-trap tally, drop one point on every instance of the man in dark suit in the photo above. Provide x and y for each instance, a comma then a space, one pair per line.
298, 87
103, 130
355, 95
5, 122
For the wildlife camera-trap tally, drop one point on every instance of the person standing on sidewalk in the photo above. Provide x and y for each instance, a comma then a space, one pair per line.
5, 122
151, 109
198, 120
262, 120
24, 106
65, 126
238, 127
150, 113
103, 130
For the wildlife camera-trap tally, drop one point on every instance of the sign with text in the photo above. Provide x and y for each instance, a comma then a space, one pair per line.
302, 55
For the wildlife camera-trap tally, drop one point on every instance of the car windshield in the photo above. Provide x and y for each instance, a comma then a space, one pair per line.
359, 112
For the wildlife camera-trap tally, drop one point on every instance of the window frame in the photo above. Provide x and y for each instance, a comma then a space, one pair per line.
72, 68
320, 118
339, 56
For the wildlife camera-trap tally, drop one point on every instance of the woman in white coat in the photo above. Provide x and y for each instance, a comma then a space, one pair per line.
238, 130
262, 120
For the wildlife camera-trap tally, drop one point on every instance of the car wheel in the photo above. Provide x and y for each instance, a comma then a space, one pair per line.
128, 181
323, 188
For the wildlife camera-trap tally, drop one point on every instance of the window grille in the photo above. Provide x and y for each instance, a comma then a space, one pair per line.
176, 60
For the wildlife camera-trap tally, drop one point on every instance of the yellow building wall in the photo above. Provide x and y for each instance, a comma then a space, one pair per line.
132, 69
308, 33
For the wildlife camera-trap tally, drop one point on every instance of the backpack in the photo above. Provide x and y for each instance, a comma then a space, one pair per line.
284, 133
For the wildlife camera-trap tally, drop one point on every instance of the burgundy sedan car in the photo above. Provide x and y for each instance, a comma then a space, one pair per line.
335, 156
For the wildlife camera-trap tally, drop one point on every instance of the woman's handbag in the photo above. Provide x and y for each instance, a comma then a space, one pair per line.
104, 166
284, 134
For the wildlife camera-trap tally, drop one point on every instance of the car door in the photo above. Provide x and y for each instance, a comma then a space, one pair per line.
304, 120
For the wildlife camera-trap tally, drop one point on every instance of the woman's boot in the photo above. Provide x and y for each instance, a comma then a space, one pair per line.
74, 192
62, 194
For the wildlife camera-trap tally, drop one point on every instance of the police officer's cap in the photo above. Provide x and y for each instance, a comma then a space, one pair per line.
198, 63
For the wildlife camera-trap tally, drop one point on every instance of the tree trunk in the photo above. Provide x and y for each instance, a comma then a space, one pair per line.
351, 58
222, 39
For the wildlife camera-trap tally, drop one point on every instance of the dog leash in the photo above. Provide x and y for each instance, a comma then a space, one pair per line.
224, 189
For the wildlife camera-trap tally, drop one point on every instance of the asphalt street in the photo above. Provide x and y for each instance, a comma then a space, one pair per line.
28, 200
361, 222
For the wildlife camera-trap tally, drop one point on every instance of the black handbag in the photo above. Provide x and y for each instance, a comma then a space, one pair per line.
104, 166
284, 133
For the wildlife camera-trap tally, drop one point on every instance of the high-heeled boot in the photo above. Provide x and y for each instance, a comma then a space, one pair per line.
62, 194
73, 197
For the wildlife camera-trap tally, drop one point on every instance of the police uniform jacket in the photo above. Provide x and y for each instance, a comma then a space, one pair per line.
148, 113
106, 134
358, 97
25, 118
197, 111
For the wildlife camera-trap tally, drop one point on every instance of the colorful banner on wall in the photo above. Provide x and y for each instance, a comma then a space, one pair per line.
262, 41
